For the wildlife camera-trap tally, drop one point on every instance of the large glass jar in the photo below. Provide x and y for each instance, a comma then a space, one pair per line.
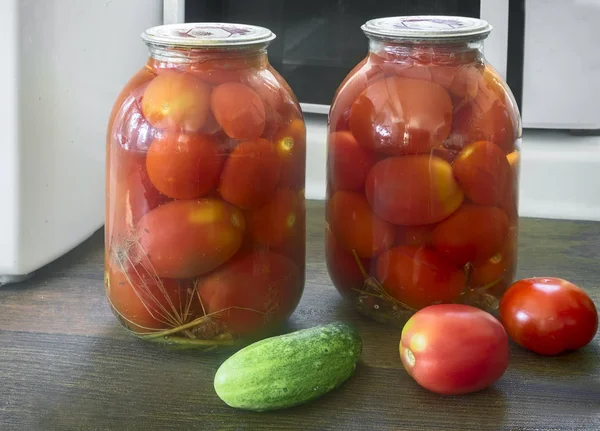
205, 225
423, 171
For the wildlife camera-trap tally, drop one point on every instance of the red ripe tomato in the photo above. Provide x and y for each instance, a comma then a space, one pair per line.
342, 266
365, 73
414, 235
129, 193
454, 349
499, 267
271, 93
483, 172
251, 174
290, 143
548, 315
418, 276
401, 116
491, 116
184, 166
275, 222
348, 162
461, 81
147, 303
356, 227
472, 234
413, 190
251, 291
239, 110
187, 238
176, 100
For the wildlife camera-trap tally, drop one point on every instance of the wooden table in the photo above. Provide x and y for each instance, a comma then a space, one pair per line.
66, 364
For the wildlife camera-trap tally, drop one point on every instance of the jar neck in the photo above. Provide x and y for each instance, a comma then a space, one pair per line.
255, 56
452, 53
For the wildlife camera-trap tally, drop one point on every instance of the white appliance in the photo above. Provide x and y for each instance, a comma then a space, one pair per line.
64, 63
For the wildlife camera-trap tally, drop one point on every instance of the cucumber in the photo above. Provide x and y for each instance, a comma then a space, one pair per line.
290, 369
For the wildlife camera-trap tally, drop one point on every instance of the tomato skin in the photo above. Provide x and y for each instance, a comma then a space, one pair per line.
342, 267
472, 234
356, 227
348, 162
548, 315
251, 291
290, 143
414, 235
251, 174
148, 303
418, 276
401, 116
239, 110
497, 268
184, 166
483, 172
276, 221
413, 190
453, 349
176, 100
187, 238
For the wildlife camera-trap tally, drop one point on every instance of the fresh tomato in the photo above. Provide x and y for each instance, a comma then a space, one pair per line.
239, 110
491, 116
348, 162
356, 227
401, 116
184, 166
176, 100
548, 315
418, 276
187, 238
364, 73
413, 190
290, 142
147, 303
251, 291
472, 234
276, 221
342, 266
483, 172
454, 349
251, 174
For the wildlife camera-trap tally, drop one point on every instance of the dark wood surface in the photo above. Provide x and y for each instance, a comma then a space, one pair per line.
66, 364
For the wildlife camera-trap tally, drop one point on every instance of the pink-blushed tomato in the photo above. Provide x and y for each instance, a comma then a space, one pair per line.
348, 162
239, 110
454, 349
413, 190
401, 116
472, 234
548, 315
418, 276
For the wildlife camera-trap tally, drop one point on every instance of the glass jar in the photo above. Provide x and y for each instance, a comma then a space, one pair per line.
422, 171
205, 225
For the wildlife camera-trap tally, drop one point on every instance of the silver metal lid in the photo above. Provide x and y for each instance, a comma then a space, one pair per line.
207, 34
427, 27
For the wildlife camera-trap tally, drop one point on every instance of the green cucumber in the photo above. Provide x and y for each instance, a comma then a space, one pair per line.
289, 369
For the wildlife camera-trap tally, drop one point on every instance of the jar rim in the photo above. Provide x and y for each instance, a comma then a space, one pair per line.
427, 28
208, 35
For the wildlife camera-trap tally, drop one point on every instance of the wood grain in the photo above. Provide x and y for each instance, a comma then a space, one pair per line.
66, 364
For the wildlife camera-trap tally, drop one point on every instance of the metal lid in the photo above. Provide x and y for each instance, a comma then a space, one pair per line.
427, 27
207, 34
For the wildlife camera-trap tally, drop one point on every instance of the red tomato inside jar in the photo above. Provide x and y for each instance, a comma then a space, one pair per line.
422, 181
206, 154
